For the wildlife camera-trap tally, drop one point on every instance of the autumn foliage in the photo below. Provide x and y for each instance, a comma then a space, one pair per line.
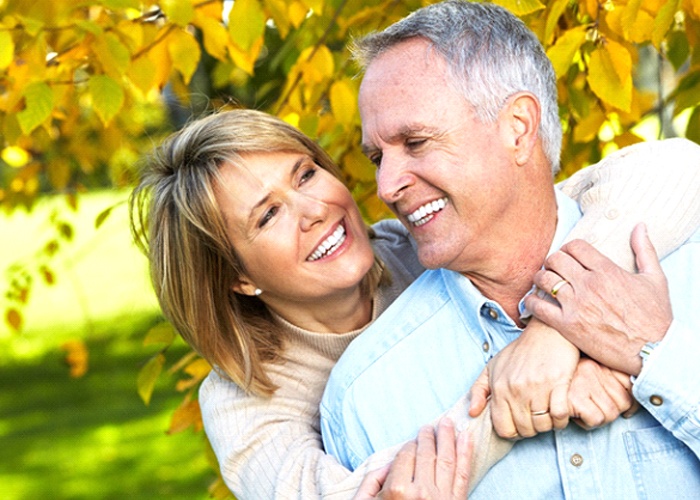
87, 87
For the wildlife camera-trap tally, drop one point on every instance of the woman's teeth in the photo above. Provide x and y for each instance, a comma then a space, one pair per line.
329, 245
425, 213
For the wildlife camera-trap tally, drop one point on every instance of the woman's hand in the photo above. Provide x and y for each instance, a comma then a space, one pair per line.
426, 468
598, 395
528, 381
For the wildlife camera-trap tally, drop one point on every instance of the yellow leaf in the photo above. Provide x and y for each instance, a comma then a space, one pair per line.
39, 102
245, 60
319, 68
15, 156
59, 173
184, 53
186, 415
14, 319
663, 22
520, 7
215, 37
297, 13
246, 23
315, 5
356, 164
107, 97
199, 368
557, 9
692, 8
146, 380
609, 75
160, 58
637, 24
112, 54
588, 128
142, 73
48, 275
179, 12
77, 356
343, 102
565, 48
162, 333
7, 49
280, 15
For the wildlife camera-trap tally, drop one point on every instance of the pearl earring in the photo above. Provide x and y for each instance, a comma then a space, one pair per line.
258, 291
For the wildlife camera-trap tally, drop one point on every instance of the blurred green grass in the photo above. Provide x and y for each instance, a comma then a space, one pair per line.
90, 437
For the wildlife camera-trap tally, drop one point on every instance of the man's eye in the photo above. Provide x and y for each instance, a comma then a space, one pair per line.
415, 143
376, 159
268, 216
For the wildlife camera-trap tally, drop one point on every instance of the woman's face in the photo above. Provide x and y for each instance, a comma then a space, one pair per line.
295, 227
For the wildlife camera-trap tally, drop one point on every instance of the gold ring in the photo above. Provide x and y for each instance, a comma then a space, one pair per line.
557, 287
538, 413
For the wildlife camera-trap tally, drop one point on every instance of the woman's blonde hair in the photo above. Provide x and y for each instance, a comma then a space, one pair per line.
175, 219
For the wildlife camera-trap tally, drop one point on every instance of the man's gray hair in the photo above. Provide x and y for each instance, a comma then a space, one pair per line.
490, 53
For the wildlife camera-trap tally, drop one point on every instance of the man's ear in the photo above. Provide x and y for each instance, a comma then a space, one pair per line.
244, 286
524, 117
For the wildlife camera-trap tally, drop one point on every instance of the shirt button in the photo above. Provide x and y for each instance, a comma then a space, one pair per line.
656, 400
493, 313
576, 460
485, 346
612, 213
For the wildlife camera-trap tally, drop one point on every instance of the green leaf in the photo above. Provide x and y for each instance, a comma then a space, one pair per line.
663, 22
107, 97
39, 102
687, 94
162, 333
7, 49
692, 131
148, 375
246, 23
677, 49
121, 4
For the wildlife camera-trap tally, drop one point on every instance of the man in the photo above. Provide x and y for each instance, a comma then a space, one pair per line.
459, 114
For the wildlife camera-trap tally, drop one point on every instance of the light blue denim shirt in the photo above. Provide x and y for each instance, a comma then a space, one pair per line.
427, 349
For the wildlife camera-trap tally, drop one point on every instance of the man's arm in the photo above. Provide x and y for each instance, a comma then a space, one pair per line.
534, 372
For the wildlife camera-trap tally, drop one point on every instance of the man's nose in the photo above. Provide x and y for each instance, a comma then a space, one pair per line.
393, 178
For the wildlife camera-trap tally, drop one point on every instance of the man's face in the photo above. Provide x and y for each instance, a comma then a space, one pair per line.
443, 173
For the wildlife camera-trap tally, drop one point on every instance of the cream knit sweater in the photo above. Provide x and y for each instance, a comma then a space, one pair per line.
271, 448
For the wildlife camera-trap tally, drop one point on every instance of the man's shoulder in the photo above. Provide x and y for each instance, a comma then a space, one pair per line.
413, 308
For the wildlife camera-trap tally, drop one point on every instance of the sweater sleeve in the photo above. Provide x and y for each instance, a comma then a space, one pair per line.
652, 182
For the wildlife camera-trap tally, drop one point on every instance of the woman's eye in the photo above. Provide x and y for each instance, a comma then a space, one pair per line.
268, 216
308, 174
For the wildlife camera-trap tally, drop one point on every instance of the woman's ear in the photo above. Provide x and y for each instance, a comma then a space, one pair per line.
524, 113
244, 286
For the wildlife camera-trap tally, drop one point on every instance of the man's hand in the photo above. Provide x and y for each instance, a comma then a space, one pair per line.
598, 395
427, 468
605, 311
528, 382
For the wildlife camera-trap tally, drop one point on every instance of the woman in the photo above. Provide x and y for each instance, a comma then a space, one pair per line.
260, 259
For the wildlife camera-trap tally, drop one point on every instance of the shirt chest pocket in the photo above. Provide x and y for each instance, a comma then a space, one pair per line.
663, 467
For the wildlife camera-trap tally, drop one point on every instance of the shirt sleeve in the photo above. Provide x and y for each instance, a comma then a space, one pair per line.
668, 386
653, 182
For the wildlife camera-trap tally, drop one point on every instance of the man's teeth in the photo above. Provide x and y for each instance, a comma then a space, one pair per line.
330, 244
425, 213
